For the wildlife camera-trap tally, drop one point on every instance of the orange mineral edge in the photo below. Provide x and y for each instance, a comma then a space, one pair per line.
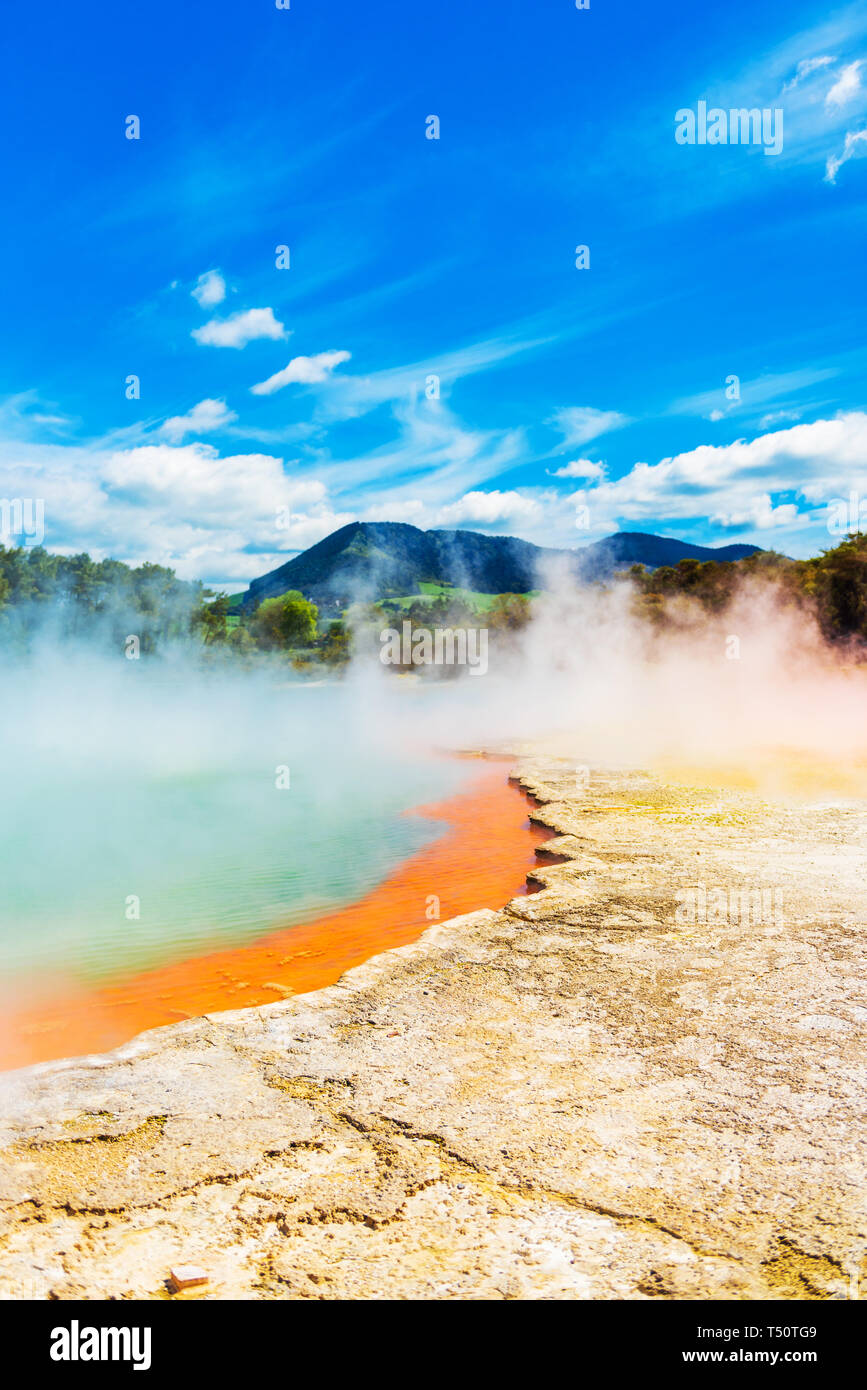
480, 860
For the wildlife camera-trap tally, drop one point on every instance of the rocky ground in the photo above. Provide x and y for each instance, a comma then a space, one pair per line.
636, 1083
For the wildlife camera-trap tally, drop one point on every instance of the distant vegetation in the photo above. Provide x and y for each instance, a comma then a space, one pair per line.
59, 596
833, 586
70, 596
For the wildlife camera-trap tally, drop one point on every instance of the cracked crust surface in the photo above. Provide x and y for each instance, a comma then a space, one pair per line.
580, 1096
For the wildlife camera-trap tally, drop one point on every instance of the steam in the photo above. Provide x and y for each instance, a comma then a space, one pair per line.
590, 678
742, 692
159, 777
155, 808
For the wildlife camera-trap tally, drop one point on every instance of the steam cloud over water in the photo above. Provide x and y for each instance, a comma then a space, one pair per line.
157, 778
226, 801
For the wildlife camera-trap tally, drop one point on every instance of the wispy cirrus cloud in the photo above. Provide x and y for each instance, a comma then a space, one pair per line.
26, 415
805, 69
348, 397
239, 329
434, 456
852, 146
578, 424
847, 86
776, 417
754, 394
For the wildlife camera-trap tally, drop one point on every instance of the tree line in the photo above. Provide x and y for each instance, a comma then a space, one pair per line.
62, 597
831, 586
72, 596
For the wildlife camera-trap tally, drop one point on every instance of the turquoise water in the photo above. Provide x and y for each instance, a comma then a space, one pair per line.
123, 784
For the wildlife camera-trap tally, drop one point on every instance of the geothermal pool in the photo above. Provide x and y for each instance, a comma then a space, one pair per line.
148, 817
174, 846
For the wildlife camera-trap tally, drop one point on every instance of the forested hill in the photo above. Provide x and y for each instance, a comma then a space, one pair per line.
373, 560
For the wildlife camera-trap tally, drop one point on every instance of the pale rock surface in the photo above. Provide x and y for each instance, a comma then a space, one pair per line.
579, 1096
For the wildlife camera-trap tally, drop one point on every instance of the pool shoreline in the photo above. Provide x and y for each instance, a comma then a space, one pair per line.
487, 843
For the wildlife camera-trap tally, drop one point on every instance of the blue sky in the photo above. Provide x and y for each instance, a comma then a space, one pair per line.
572, 402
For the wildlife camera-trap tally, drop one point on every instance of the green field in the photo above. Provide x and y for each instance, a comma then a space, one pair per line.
471, 597
428, 591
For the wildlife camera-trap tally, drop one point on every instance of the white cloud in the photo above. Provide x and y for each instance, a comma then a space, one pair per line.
307, 371
733, 484
805, 68
208, 517
580, 423
579, 468
850, 150
847, 86
760, 514
193, 485
219, 518
208, 415
412, 510
209, 289
487, 508
240, 329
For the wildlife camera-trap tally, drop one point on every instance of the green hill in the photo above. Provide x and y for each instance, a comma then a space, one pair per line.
367, 561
